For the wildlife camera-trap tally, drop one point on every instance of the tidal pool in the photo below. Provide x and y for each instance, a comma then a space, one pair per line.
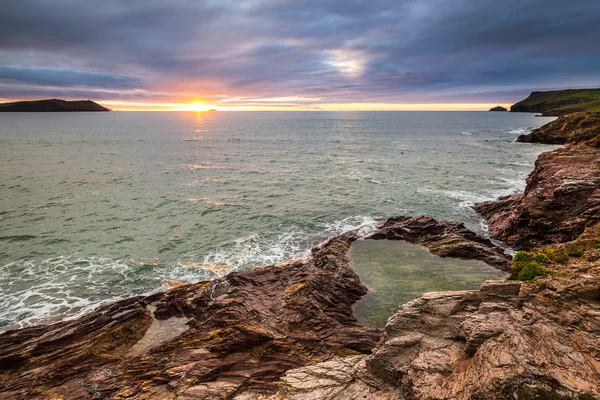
396, 272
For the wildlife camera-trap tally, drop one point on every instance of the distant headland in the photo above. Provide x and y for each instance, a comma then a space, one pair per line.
498, 108
52, 105
560, 102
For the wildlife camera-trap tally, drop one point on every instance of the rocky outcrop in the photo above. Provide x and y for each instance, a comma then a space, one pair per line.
578, 128
230, 338
498, 108
212, 340
444, 239
561, 199
509, 340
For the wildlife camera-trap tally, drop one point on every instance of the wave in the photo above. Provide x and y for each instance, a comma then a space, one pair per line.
66, 287
520, 131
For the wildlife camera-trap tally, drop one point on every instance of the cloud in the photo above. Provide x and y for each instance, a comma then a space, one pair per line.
336, 51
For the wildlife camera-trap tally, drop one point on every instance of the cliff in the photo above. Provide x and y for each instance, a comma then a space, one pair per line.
51, 105
560, 102
577, 128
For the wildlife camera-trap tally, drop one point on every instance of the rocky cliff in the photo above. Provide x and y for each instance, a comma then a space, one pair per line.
561, 199
577, 128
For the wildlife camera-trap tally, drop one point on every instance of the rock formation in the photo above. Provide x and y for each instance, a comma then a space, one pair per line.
230, 338
444, 239
509, 340
561, 199
578, 128
498, 108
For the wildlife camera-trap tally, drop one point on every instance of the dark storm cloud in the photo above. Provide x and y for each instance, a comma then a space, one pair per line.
58, 77
376, 51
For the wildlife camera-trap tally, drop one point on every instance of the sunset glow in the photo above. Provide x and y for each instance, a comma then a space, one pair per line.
289, 56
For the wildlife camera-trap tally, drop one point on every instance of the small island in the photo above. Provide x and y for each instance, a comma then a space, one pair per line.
498, 108
52, 105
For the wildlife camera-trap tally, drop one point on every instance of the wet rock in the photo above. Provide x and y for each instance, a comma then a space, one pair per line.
210, 340
444, 239
561, 199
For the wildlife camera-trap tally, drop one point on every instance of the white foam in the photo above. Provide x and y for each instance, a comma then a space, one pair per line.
520, 131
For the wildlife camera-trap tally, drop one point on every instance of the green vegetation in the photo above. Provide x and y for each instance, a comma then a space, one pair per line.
560, 102
528, 265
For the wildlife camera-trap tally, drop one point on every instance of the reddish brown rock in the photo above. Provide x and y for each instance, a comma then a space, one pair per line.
577, 128
561, 199
509, 340
230, 338
210, 340
444, 239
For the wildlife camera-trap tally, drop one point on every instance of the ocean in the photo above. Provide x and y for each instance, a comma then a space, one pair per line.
101, 206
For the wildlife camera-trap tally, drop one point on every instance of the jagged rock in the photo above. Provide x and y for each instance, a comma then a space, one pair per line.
210, 340
510, 340
578, 128
561, 199
444, 239
229, 338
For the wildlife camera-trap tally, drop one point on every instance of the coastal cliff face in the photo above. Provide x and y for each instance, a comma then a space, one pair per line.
561, 199
578, 128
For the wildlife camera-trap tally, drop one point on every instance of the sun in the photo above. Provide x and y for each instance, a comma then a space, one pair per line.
198, 107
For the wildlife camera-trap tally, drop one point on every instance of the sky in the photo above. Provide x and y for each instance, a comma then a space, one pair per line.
297, 55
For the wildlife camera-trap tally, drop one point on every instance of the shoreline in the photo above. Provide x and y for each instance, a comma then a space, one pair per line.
288, 331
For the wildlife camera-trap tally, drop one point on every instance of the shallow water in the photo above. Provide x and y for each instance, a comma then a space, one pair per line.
99, 206
397, 272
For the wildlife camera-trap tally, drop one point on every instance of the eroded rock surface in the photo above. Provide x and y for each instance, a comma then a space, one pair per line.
510, 340
577, 128
444, 239
230, 338
561, 199
213, 340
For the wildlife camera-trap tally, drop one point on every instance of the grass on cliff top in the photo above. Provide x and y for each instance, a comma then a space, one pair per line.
528, 265
553, 96
592, 106
564, 101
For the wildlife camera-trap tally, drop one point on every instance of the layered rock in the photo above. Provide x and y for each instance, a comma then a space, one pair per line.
561, 199
230, 338
444, 239
212, 340
510, 340
578, 128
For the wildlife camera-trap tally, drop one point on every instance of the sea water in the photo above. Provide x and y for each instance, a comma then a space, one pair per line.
101, 206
